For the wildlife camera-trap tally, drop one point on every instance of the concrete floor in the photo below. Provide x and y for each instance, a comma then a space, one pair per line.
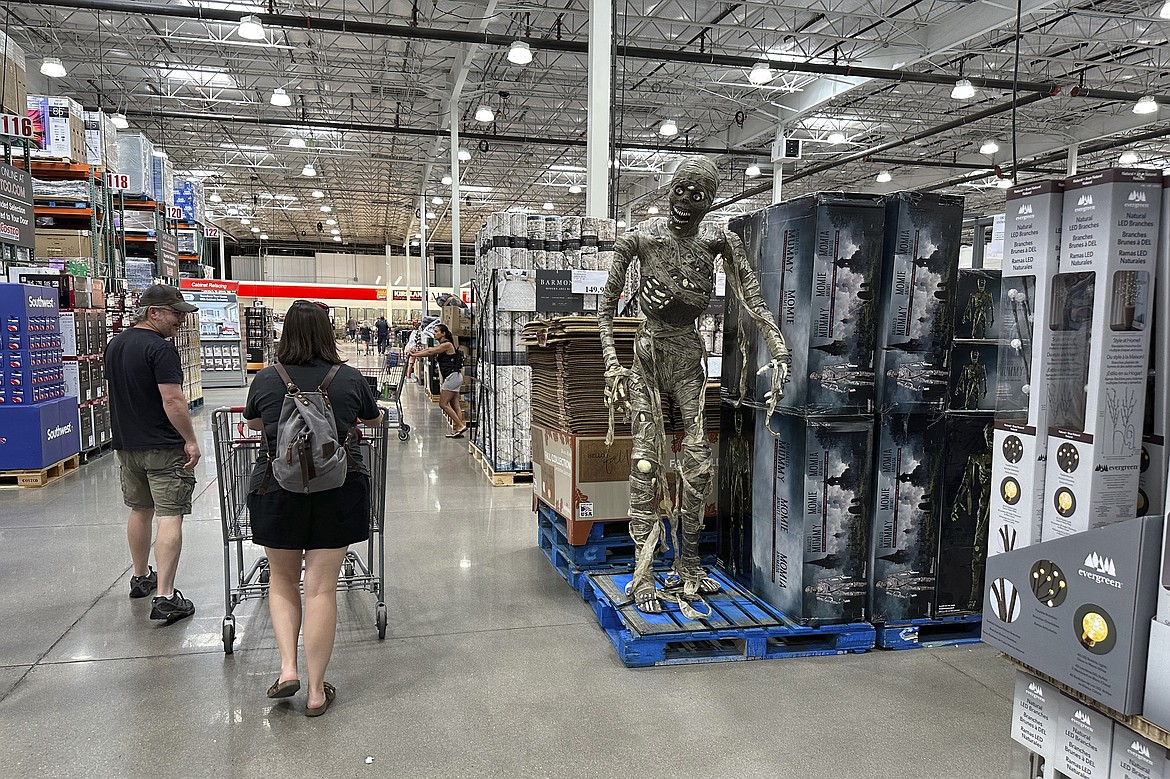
492, 666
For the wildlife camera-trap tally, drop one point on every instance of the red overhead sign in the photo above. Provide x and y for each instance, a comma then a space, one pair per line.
209, 285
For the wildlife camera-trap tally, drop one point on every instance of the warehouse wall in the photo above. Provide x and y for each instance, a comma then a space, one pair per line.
327, 268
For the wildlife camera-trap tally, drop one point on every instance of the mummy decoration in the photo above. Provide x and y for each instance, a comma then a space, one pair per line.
675, 258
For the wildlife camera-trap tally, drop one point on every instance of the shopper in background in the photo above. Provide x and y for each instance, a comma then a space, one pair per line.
351, 328
365, 333
450, 361
156, 444
315, 529
383, 329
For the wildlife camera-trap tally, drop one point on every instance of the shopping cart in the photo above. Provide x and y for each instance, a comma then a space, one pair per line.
387, 379
236, 448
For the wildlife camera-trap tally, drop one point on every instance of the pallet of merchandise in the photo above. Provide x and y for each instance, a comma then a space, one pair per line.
918, 633
52, 202
610, 545
739, 627
40, 477
498, 478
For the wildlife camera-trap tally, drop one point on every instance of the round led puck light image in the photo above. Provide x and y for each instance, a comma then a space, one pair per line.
1013, 448
1049, 584
1009, 490
1145, 460
1067, 457
1143, 503
1065, 502
1095, 629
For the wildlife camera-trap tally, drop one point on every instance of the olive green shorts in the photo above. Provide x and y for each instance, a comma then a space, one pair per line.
155, 478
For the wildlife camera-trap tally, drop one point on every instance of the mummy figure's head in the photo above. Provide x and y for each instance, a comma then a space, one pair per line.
692, 192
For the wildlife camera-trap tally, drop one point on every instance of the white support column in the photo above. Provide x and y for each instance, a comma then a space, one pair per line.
1074, 151
222, 258
777, 182
389, 286
422, 244
597, 138
455, 280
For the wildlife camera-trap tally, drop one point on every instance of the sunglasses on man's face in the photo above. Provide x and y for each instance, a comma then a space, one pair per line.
316, 303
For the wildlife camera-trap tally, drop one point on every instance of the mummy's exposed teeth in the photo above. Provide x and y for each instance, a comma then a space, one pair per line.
680, 213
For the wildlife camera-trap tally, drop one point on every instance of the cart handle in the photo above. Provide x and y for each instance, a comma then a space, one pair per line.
231, 409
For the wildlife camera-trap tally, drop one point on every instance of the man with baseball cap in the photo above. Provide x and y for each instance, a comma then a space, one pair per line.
156, 444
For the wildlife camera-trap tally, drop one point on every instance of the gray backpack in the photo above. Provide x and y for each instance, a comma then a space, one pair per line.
308, 456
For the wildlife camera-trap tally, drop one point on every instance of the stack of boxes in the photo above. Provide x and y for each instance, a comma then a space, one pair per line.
191, 200
162, 177
511, 249
136, 162
85, 333
14, 100
190, 358
101, 141
38, 421
258, 337
59, 123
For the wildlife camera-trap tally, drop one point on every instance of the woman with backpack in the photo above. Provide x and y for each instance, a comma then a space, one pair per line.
296, 514
450, 361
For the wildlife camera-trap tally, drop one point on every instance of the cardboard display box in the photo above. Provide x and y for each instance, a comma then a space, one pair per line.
915, 327
977, 305
66, 243
15, 97
581, 478
1079, 608
1136, 757
1031, 260
973, 373
457, 319
1152, 481
36, 435
1084, 741
59, 124
733, 523
811, 516
101, 141
1100, 315
1035, 711
819, 263
136, 161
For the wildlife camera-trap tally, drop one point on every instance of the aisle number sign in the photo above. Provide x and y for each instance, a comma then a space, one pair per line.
117, 181
14, 126
210, 231
174, 212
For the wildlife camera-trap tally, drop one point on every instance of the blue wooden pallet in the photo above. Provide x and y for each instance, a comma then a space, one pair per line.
609, 542
573, 574
916, 633
741, 627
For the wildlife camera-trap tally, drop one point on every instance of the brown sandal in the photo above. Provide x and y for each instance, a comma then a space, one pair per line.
287, 689
317, 711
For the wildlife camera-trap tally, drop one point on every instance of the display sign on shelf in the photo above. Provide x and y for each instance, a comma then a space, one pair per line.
589, 282
554, 293
117, 182
17, 225
168, 255
210, 231
174, 212
13, 126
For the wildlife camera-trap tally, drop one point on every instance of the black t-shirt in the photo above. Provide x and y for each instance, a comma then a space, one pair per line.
137, 361
349, 394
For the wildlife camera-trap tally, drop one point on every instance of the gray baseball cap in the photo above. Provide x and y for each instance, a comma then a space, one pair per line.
164, 295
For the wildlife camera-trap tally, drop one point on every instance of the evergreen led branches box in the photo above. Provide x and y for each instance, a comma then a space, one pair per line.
1031, 258
1079, 608
811, 516
915, 328
1084, 741
819, 267
1035, 711
1100, 323
1136, 757
1152, 482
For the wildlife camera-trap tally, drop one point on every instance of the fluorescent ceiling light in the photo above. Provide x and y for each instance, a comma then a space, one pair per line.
989, 147
255, 229
464, 155
335, 231
548, 206
1128, 158
836, 138
308, 170
470, 188
330, 222
752, 171
326, 209
485, 114
318, 194
569, 168
438, 200
120, 121
250, 29
52, 67
446, 180
1165, 12
668, 128
575, 189
204, 77
1004, 184
215, 198
245, 220
398, 280
519, 53
242, 147
337, 238
964, 90
884, 177
1146, 105
652, 210
280, 98
296, 142
761, 73
263, 236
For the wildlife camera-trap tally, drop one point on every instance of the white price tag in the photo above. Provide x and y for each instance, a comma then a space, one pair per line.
720, 284
210, 231
589, 282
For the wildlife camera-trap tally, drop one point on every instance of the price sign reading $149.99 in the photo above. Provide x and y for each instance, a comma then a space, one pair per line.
14, 126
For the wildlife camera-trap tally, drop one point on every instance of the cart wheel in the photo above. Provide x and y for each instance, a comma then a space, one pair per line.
349, 569
229, 635
381, 620
265, 575
404, 428
403, 435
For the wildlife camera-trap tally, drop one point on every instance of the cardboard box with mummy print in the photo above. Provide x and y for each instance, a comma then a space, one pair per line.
811, 516
1031, 260
915, 328
1098, 348
819, 261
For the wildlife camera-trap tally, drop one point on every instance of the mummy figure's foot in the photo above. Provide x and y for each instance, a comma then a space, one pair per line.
646, 601
708, 586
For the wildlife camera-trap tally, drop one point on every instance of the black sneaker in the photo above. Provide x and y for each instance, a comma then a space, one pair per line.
141, 586
173, 608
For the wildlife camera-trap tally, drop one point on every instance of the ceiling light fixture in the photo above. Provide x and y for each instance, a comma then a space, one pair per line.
1146, 105
760, 74
446, 180
884, 177
1165, 12
548, 206
1128, 158
335, 231
263, 236
280, 98
437, 200
120, 121
989, 148
1004, 183
337, 238
575, 189
250, 29
318, 194
330, 222
326, 209
464, 155
652, 210
431, 215
485, 114
308, 170
52, 67
519, 53
836, 138
752, 171
255, 229
964, 89
621, 223
668, 128
245, 220
296, 142
214, 197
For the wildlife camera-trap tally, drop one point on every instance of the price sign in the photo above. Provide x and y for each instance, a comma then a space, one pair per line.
14, 126
117, 181
174, 212
589, 282
210, 231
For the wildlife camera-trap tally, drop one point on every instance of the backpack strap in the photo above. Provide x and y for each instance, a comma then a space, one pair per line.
328, 378
288, 382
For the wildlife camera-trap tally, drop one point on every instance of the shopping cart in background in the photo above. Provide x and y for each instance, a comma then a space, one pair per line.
387, 379
236, 448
